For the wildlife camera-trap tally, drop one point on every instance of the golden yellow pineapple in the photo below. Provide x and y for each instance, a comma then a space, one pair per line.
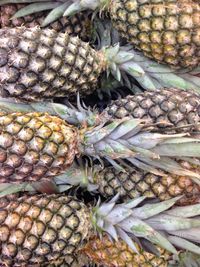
133, 183
39, 230
45, 229
167, 31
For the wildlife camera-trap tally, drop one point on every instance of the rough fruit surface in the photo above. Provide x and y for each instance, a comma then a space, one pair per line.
167, 31
118, 254
42, 229
38, 64
168, 107
34, 146
135, 182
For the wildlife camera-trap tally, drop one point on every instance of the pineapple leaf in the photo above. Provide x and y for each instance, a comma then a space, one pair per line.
55, 14
186, 212
150, 210
142, 229
123, 235
73, 9
4, 2
134, 202
184, 244
111, 230
7, 189
34, 8
164, 163
145, 167
125, 128
192, 234
118, 214
171, 223
189, 149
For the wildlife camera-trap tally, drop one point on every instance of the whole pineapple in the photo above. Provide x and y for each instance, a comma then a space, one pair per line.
76, 25
36, 145
164, 30
38, 64
42, 229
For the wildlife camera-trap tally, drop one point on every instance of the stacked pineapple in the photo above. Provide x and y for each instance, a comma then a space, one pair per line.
149, 142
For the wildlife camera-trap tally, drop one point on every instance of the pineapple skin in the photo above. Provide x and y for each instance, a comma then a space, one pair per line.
135, 182
34, 146
167, 107
42, 230
167, 31
41, 64
76, 25
118, 254
76, 260
73, 260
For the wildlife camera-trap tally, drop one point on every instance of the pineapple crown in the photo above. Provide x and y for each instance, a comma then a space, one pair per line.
158, 223
79, 175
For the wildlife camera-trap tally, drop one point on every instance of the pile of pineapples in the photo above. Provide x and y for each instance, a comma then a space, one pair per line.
100, 133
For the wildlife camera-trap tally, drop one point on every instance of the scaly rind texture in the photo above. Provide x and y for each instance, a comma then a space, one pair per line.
75, 25
40, 229
165, 30
35, 145
172, 107
39, 64
118, 254
134, 183
71, 260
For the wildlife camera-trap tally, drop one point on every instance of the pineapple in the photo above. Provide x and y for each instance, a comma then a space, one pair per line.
118, 254
36, 145
40, 148
167, 31
76, 25
41, 229
38, 64
131, 182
